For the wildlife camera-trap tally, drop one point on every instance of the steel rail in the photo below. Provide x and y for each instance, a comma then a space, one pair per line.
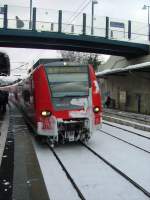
67, 173
104, 132
139, 187
127, 130
128, 117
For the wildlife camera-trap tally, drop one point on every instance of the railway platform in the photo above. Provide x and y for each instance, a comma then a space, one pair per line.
20, 173
138, 121
4, 123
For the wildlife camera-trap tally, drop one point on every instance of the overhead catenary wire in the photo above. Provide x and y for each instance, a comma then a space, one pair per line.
78, 10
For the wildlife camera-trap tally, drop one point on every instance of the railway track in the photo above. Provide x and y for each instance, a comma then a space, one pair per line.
139, 187
132, 132
146, 120
104, 132
117, 170
76, 184
67, 173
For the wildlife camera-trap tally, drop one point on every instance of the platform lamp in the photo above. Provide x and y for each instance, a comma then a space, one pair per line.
30, 22
92, 20
144, 8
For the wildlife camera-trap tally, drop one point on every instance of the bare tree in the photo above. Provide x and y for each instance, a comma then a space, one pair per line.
83, 58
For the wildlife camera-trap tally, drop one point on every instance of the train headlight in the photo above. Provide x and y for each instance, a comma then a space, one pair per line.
96, 109
46, 113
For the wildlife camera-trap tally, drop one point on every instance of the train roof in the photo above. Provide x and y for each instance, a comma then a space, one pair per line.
62, 63
48, 61
54, 62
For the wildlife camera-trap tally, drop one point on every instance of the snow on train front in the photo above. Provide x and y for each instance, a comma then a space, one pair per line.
64, 101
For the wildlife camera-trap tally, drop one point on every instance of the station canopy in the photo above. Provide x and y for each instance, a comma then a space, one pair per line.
142, 67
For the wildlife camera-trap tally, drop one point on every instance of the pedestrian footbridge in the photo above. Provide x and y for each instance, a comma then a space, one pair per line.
62, 30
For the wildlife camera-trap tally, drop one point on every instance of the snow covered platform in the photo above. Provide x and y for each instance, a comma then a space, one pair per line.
4, 123
20, 174
138, 121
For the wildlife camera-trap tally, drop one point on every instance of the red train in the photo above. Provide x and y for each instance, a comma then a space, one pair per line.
61, 100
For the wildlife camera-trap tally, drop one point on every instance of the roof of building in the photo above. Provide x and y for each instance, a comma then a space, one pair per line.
143, 67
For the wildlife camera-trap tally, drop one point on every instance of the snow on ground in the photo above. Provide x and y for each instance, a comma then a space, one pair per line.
129, 128
133, 162
127, 136
96, 179
3, 133
58, 186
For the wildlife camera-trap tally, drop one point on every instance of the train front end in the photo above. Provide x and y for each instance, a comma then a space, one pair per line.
72, 110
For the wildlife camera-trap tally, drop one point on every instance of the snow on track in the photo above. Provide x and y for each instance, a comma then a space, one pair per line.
58, 186
127, 136
128, 128
95, 179
133, 162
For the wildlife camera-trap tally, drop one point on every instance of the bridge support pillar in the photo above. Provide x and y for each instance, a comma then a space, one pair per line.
34, 19
148, 32
60, 21
129, 30
84, 24
5, 22
107, 28
72, 29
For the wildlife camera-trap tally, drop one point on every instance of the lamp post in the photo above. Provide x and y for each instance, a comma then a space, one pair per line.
144, 8
92, 20
30, 22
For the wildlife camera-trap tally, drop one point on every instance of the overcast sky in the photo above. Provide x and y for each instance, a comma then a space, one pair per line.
126, 9
120, 9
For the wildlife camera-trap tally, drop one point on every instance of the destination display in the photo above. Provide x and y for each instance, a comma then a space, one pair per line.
66, 69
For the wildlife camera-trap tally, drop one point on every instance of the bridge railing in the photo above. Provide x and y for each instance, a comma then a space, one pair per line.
66, 22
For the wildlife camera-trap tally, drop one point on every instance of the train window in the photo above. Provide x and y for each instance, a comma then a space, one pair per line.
72, 88
75, 77
67, 69
74, 84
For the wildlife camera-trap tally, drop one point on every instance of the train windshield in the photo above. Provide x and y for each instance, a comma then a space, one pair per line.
68, 81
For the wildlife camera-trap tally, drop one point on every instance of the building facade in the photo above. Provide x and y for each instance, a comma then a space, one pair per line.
129, 88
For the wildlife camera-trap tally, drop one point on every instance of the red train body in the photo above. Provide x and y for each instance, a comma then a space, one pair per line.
62, 101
